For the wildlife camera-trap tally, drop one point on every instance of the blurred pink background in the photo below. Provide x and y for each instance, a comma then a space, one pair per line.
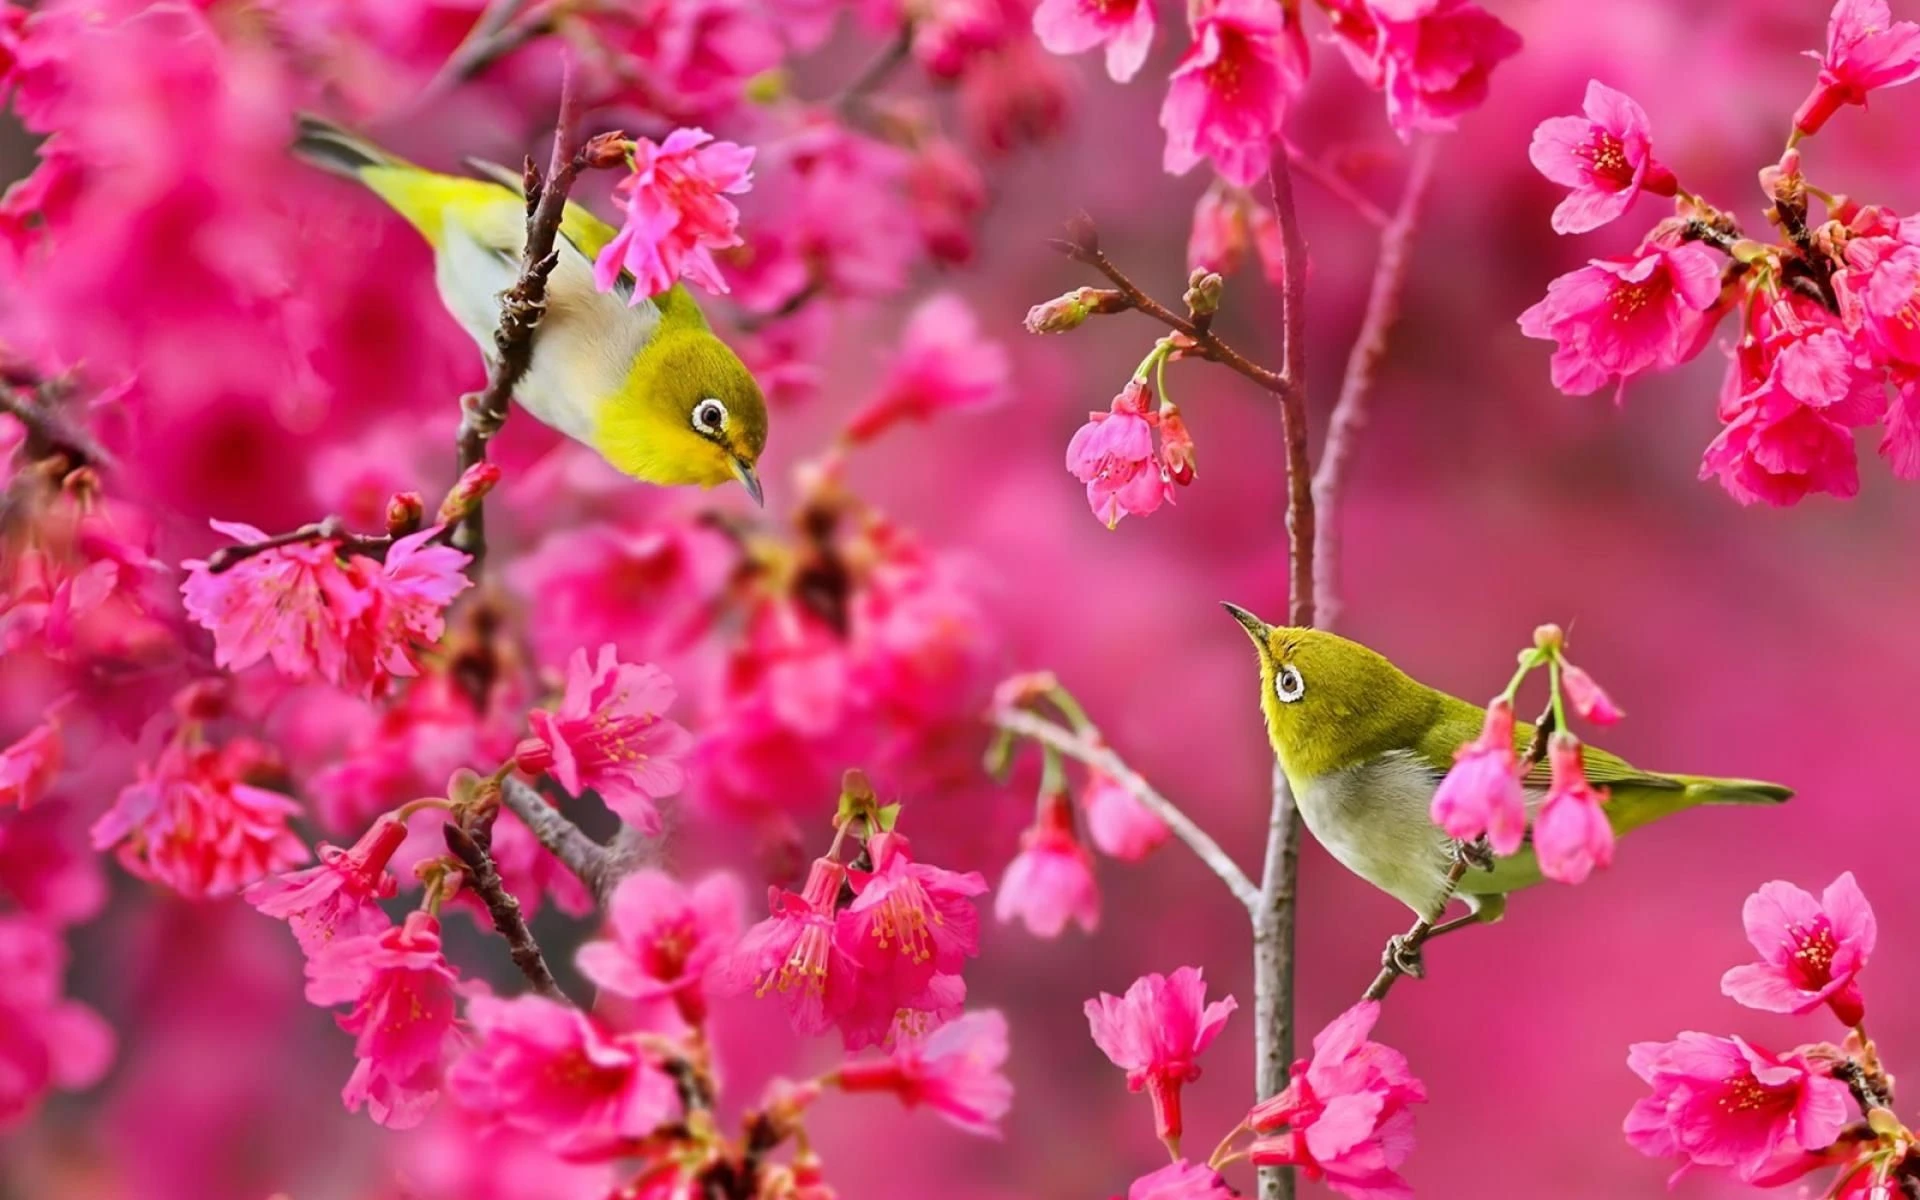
1772, 644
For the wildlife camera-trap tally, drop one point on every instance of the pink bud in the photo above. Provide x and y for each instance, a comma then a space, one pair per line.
1176, 445
466, 494
1586, 697
533, 757
405, 512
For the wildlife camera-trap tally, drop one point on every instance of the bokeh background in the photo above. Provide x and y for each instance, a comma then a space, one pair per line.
1775, 644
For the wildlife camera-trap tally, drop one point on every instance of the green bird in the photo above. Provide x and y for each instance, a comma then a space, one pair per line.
1364, 746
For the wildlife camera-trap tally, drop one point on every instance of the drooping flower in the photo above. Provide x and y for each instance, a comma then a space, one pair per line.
943, 365
1606, 157
1571, 835
1154, 1033
336, 898
1229, 93
1866, 49
676, 214
794, 952
47, 1042
1050, 882
1618, 317
947, 193
1113, 454
1120, 825
549, 1069
1812, 951
1226, 221
1432, 58
1181, 1180
1481, 792
1125, 27
29, 765
664, 937
190, 822
402, 991
1720, 1102
910, 920
956, 1071
1587, 697
608, 735
1345, 1116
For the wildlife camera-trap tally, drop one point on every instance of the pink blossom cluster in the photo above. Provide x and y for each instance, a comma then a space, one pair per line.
1726, 1105
1131, 456
1823, 343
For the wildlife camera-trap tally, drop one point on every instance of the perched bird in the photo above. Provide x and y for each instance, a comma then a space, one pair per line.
1364, 747
648, 385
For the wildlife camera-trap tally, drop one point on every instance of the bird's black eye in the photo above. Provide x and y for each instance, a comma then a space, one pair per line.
709, 416
1288, 685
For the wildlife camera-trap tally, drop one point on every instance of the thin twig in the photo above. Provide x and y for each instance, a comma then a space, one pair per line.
852, 100
1339, 185
522, 306
577, 852
1363, 366
505, 910
498, 33
330, 529
49, 432
1084, 748
1463, 858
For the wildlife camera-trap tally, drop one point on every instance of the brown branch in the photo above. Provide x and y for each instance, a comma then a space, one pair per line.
1339, 185
331, 529
48, 431
499, 32
474, 854
590, 862
1463, 858
1087, 747
521, 307
1363, 367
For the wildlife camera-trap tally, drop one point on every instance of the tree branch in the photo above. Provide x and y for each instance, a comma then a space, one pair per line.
521, 307
474, 854
1363, 366
1086, 749
1339, 185
329, 529
593, 864
498, 33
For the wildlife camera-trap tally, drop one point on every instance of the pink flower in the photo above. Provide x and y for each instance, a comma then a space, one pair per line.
1181, 1180
943, 365
1050, 882
608, 736
28, 767
1226, 220
318, 613
1572, 835
401, 990
947, 193
1618, 317
1812, 951
1719, 1102
1113, 455
548, 1069
1481, 793
1120, 825
190, 823
46, 1040
676, 214
1606, 157
336, 898
1014, 96
956, 1071
1432, 58
47, 868
1154, 1033
1229, 93
794, 952
1866, 49
910, 921
1124, 26
1586, 696
664, 939
687, 59
1345, 1116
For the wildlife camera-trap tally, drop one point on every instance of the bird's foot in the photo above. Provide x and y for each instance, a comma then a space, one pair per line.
1475, 853
476, 419
1403, 956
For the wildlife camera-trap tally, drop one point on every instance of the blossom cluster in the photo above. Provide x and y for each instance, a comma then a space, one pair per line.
1823, 343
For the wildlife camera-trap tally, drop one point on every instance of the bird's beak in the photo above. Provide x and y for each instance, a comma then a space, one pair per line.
1255, 627
743, 471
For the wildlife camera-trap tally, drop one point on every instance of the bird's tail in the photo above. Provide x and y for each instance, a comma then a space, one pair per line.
1703, 789
332, 148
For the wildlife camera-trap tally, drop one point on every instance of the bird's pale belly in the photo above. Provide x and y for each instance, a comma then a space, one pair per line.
1373, 818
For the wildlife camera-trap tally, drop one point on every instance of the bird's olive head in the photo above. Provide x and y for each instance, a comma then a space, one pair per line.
1328, 701
699, 416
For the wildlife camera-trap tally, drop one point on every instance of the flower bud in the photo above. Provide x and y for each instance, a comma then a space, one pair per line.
1063, 313
405, 512
1176, 444
466, 495
1203, 293
607, 150
533, 757
1549, 638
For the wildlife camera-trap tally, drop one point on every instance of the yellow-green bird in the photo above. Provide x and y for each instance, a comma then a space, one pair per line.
648, 385
1364, 747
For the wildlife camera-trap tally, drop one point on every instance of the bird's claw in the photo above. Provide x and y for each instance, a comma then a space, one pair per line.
1403, 956
1475, 853
476, 418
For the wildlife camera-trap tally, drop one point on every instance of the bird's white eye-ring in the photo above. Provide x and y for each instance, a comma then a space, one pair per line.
1288, 685
709, 416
